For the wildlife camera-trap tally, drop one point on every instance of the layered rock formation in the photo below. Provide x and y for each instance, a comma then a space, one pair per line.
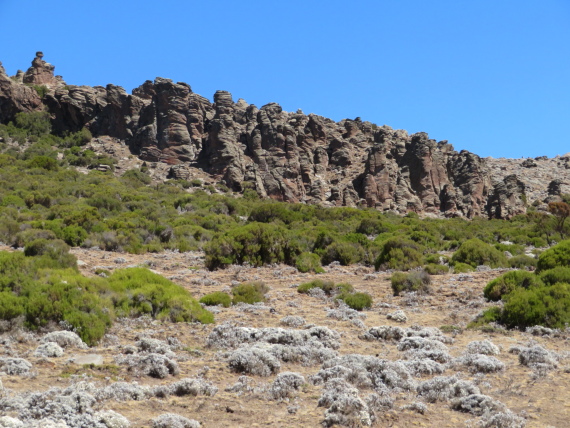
286, 156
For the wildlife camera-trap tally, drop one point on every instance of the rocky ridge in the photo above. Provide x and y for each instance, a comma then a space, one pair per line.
287, 156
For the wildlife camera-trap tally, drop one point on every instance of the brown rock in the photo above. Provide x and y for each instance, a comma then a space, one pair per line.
41, 72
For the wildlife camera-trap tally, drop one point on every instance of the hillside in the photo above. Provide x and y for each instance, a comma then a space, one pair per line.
286, 156
170, 262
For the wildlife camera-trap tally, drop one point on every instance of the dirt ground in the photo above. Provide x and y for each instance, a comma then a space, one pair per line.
543, 399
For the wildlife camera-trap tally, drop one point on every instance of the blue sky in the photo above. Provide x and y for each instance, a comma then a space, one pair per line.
492, 77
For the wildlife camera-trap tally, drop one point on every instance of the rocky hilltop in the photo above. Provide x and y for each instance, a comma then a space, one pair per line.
287, 156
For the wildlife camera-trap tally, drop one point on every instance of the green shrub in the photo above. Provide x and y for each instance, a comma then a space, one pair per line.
373, 226
44, 162
493, 314
556, 275
462, 268
508, 282
548, 306
36, 123
538, 242
399, 254
42, 90
217, 298
418, 281
309, 262
255, 243
357, 301
346, 253
54, 254
475, 252
326, 286
74, 235
25, 237
137, 175
144, 292
559, 255
249, 292
438, 259
329, 287
436, 269
522, 261
514, 249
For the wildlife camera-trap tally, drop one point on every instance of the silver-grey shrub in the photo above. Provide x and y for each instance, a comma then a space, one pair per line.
366, 371
344, 406
15, 366
477, 404
385, 332
65, 339
293, 321
172, 420
506, 419
425, 366
443, 388
188, 386
537, 355
154, 365
485, 347
479, 363
253, 360
286, 384
49, 350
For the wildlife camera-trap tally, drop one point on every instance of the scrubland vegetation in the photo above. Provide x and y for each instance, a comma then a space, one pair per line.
47, 206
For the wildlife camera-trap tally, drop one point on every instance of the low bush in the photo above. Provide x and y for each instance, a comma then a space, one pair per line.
548, 306
522, 262
556, 275
475, 252
418, 281
438, 259
144, 292
462, 268
435, 269
493, 314
508, 282
399, 254
356, 301
346, 253
255, 243
559, 255
309, 262
217, 298
328, 287
249, 292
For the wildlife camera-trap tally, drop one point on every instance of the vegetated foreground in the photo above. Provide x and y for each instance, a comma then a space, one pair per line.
296, 359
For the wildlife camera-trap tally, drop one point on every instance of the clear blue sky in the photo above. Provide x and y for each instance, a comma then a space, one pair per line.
490, 76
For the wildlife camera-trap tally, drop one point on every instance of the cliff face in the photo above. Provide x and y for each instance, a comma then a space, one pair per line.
286, 156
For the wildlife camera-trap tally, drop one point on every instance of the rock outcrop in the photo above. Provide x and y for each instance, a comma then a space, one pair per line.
41, 73
282, 155
16, 98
